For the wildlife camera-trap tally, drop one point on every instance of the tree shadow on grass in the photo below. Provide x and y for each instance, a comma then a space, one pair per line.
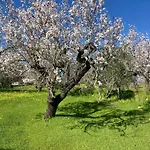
124, 94
83, 109
6, 149
99, 115
20, 90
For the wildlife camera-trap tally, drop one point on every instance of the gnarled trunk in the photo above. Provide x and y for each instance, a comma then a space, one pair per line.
53, 101
52, 106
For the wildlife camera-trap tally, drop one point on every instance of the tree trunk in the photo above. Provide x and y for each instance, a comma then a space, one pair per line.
119, 92
148, 85
38, 88
53, 101
52, 106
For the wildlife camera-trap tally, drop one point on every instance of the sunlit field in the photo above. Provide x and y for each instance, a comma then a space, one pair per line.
81, 123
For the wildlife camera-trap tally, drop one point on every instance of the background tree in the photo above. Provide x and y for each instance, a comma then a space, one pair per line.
12, 68
139, 46
117, 75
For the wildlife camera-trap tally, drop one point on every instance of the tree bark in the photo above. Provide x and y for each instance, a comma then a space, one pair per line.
52, 106
148, 85
38, 88
53, 101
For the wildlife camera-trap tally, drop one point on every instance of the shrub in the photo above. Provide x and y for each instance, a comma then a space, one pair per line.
82, 90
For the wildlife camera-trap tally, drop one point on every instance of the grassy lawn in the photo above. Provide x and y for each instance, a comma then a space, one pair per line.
81, 123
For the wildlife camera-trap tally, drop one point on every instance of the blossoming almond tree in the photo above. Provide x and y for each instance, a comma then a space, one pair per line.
11, 65
60, 42
139, 45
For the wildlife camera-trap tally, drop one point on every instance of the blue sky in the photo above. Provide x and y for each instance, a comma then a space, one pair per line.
134, 12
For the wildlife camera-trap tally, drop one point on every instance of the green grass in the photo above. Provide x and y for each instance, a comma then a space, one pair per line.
81, 123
